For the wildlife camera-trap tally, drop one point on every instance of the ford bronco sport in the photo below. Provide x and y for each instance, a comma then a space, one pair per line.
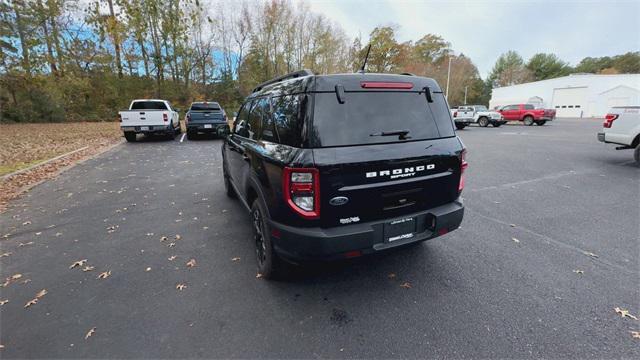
338, 166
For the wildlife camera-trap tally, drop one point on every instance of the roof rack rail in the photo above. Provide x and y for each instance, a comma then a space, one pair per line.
293, 75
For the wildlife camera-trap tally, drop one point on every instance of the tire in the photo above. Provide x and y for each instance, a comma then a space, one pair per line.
228, 189
528, 120
483, 121
636, 154
190, 135
130, 136
179, 129
497, 124
461, 126
266, 258
541, 122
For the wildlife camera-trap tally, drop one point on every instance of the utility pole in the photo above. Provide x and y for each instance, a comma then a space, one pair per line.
446, 95
465, 95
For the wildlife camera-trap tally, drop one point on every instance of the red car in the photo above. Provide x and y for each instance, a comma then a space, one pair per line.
527, 113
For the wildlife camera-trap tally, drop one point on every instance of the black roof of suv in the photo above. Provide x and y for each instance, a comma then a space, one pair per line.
335, 166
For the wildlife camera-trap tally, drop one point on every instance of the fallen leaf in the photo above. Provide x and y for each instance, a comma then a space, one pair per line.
2, 302
625, 313
88, 268
172, 257
406, 285
578, 271
171, 244
588, 253
25, 244
5, 254
147, 269
149, 234
42, 293
164, 238
259, 276
178, 237
635, 334
104, 275
235, 259
15, 277
191, 263
392, 276
89, 333
181, 286
78, 263
31, 302
512, 225
1, 346
26, 223
25, 281
515, 240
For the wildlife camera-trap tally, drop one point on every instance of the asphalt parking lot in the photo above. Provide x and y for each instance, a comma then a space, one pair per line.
549, 247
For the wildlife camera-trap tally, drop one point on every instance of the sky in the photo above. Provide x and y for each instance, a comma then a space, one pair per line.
482, 30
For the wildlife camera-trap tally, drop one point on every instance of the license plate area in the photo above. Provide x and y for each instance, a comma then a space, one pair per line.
207, 126
144, 128
400, 229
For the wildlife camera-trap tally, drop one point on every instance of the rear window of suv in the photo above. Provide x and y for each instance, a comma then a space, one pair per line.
148, 105
365, 114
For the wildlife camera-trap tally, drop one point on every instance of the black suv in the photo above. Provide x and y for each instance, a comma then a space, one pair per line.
337, 166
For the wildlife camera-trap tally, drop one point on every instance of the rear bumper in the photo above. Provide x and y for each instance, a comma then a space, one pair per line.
203, 127
324, 244
463, 121
151, 129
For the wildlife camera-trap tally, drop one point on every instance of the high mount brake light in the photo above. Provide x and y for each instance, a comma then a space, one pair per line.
386, 85
609, 119
463, 167
301, 191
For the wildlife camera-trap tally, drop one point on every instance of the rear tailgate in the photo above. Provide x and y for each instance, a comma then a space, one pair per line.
206, 116
549, 113
386, 180
144, 117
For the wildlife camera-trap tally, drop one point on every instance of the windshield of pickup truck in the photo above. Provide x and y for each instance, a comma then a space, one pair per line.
205, 106
367, 113
149, 105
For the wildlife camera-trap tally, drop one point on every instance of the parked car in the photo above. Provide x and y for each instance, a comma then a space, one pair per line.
149, 117
206, 117
339, 166
476, 114
622, 127
527, 113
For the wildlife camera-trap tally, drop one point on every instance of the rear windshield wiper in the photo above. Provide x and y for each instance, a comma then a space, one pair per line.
402, 134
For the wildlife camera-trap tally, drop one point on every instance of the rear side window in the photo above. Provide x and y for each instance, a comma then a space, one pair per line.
148, 105
529, 107
288, 118
204, 106
365, 116
255, 119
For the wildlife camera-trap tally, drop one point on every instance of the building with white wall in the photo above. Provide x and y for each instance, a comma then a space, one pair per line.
577, 95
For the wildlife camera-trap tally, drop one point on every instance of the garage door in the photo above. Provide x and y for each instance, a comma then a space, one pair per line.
570, 102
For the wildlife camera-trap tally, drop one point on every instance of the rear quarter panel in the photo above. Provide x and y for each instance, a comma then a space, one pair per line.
626, 128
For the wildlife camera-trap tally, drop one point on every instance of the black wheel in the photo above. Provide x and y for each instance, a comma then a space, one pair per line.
267, 260
528, 120
636, 154
496, 124
541, 122
483, 121
130, 136
460, 126
179, 129
227, 186
190, 135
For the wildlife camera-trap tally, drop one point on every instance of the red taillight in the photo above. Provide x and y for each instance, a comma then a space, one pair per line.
165, 117
609, 119
455, 114
463, 167
386, 85
301, 191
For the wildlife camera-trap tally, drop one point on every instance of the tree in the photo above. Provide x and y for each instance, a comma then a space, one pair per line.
509, 70
385, 50
547, 66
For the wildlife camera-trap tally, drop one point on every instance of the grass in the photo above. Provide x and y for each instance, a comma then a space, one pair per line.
23, 145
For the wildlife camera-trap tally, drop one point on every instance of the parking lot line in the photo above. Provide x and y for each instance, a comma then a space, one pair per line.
182, 138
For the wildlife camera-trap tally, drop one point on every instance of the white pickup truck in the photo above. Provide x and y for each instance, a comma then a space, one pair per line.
622, 127
476, 114
149, 117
